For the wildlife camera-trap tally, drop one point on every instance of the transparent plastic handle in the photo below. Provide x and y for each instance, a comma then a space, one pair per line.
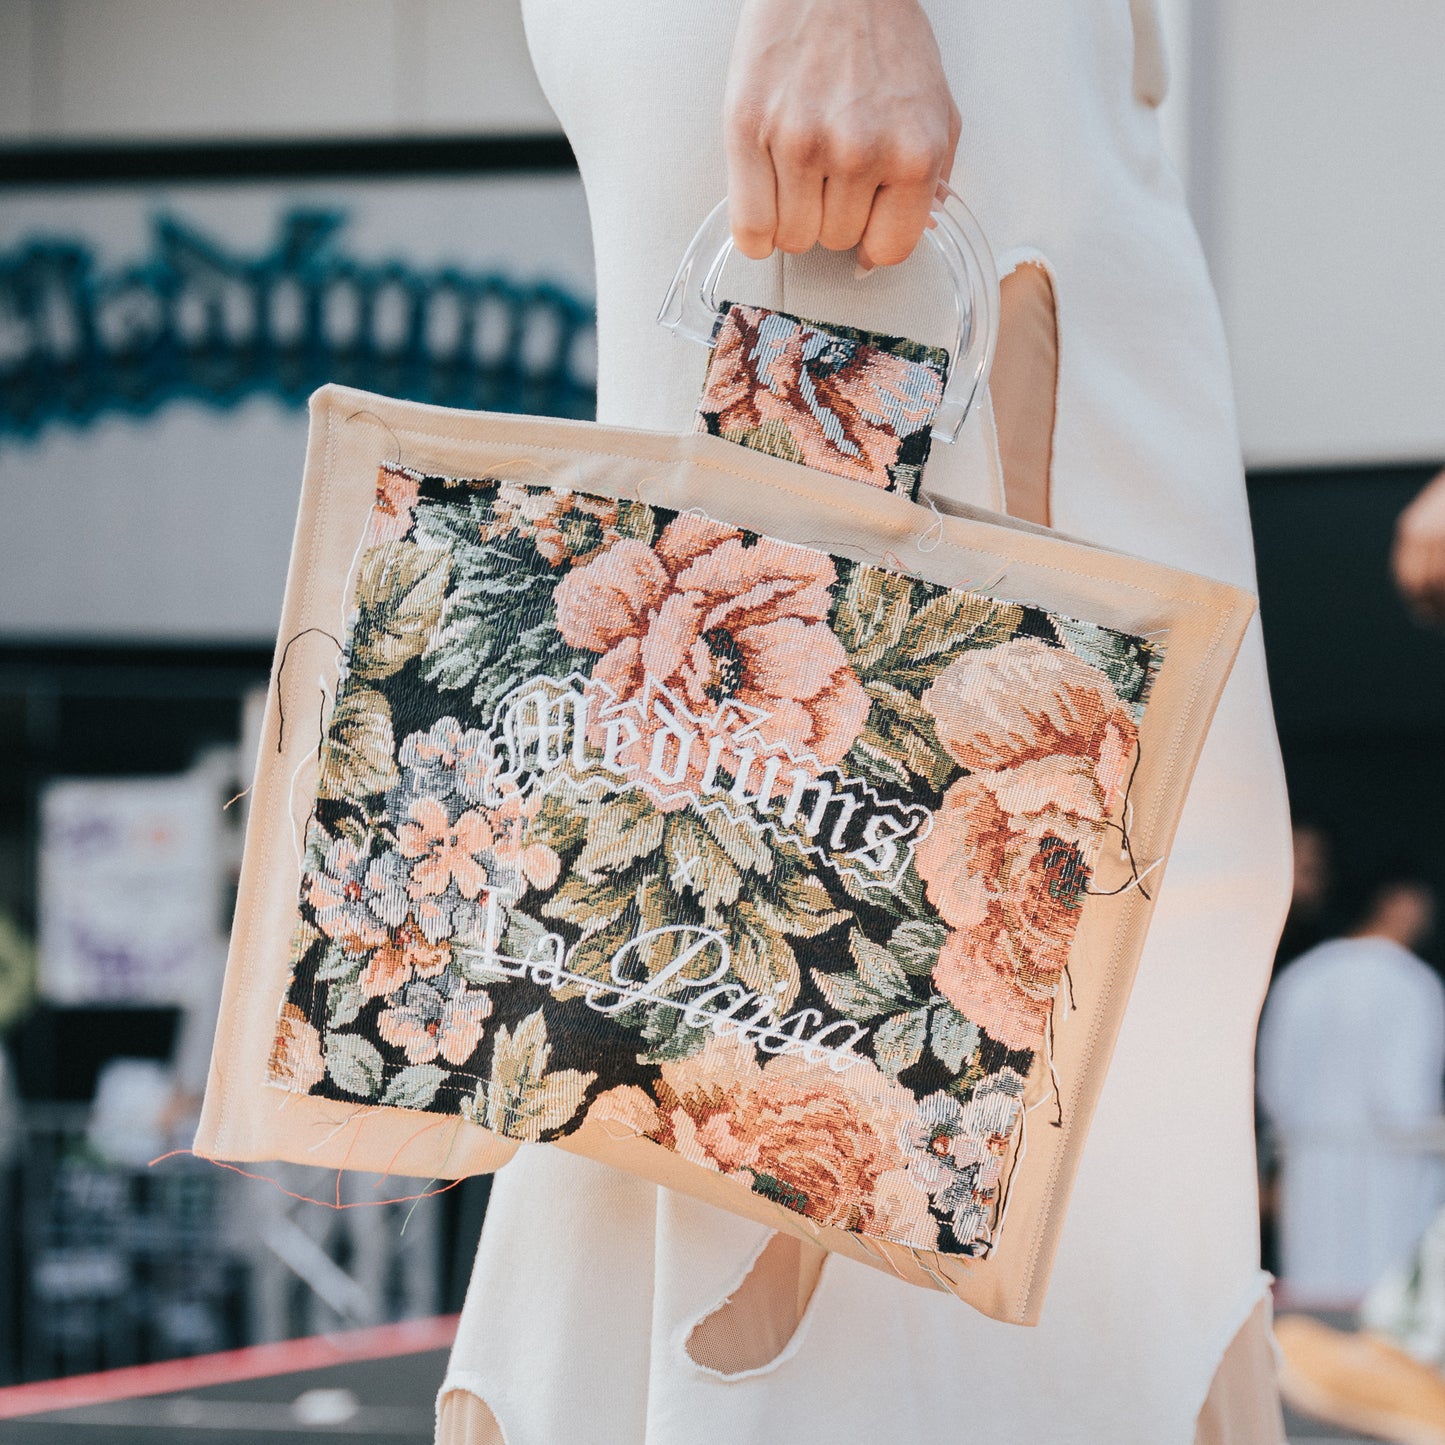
691, 306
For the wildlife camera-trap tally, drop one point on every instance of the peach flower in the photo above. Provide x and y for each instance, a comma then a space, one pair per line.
391, 513
1007, 861
1024, 700
406, 954
824, 1143
843, 407
1010, 884
445, 850
296, 1060
440, 1016
626, 1110
471, 851
715, 620
563, 525
538, 863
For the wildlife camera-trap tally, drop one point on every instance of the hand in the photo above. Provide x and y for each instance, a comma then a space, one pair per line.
1418, 560
839, 126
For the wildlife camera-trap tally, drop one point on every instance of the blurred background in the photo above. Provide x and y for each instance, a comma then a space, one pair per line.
207, 208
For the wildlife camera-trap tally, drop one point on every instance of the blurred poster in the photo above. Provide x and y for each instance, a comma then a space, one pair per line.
129, 888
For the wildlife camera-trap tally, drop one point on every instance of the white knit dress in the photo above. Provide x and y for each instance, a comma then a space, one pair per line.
588, 1281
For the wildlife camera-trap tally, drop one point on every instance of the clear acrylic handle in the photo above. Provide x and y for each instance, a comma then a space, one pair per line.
690, 307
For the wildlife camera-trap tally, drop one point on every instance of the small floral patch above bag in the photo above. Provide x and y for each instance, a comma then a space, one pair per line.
853, 403
771, 857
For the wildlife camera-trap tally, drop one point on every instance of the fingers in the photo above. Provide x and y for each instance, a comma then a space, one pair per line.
752, 199
847, 203
800, 207
1419, 567
1418, 555
897, 220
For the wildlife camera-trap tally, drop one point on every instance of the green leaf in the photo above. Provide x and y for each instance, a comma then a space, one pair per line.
591, 956
801, 906
498, 626
668, 1037
625, 829
337, 962
524, 936
878, 760
871, 615
916, 944
400, 591
953, 1037
744, 846
877, 968
654, 902
883, 897
698, 868
414, 1088
845, 995
762, 958
354, 1064
878, 986
1126, 661
903, 730
359, 760
636, 520
900, 705
953, 620
898, 1044
589, 906
561, 823
343, 1003
521, 1099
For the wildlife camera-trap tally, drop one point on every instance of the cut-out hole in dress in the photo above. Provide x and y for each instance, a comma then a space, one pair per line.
753, 1326
466, 1419
1024, 386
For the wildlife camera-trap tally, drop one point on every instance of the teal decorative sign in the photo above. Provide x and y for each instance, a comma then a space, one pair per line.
198, 321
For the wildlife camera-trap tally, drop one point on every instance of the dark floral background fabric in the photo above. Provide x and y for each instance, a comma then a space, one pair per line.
853, 403
769, 856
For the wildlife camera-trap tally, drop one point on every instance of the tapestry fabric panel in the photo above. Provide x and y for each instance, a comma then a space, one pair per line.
772, 857
856, 404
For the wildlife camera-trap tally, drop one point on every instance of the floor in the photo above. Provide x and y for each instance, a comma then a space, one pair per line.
375, 1402
1303, 1431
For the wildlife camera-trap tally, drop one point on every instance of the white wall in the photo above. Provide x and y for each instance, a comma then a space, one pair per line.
1325, 221
1311, 134
153, 69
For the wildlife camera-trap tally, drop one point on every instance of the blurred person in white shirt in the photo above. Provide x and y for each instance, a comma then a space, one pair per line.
1351, 1063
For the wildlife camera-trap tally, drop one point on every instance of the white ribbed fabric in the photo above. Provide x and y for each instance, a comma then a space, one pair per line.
588, 1282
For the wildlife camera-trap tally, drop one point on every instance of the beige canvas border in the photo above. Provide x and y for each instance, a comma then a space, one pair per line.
352, 434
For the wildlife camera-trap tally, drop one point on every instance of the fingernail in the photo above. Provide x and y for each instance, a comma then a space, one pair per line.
861, 270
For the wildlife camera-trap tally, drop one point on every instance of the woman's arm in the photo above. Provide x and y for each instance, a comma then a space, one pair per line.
839, 126
1419, 555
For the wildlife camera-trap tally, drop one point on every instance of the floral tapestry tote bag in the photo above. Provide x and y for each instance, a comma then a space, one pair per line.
707, 806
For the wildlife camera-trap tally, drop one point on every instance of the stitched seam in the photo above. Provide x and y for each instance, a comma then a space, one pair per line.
1105, 1009
1181, 736
246, 950
833, 505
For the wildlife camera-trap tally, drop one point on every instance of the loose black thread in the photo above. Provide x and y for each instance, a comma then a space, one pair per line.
281, 668
320, 724
396, 440
1058, 1120
1134, 875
